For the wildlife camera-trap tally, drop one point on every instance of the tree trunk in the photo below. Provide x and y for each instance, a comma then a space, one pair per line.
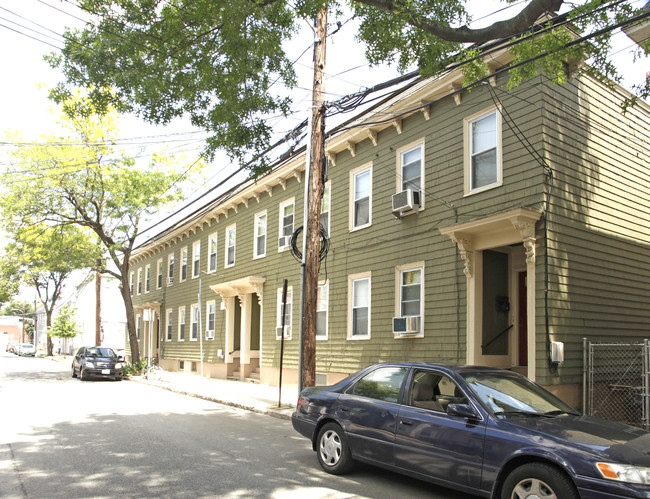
130, 316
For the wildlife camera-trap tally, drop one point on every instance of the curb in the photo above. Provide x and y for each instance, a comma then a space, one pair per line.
280, 413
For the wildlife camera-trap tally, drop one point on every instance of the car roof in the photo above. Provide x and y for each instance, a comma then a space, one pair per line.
459, 368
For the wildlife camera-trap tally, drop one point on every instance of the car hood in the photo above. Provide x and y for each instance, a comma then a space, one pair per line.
612, 440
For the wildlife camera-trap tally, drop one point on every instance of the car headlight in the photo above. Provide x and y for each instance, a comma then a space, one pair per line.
624, 473
118, 365
90, 364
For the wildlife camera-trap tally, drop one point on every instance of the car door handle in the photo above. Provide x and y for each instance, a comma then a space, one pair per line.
406, 423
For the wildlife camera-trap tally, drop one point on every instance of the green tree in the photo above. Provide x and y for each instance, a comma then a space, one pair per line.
82, 179
216, 61
43, 257
64, 325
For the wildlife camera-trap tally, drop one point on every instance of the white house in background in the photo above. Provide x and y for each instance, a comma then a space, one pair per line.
113, 314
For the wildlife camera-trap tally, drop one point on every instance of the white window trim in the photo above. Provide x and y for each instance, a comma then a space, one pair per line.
353, 174
181, 314
138, 327
467, 141
327, 312
398, 296
283, 205
147, 279
399, 180
278, 314
212, 237
195, 306
230, 228
138, 283
185, 251
160, 277
212, 303
256, 235
132, 283
169, 331
351, 279
170, 258
195, 245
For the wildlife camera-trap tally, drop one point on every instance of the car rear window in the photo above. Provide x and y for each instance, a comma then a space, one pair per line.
381, 384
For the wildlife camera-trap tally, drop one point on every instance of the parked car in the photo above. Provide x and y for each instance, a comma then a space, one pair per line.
481, 430
25, 350
97, 362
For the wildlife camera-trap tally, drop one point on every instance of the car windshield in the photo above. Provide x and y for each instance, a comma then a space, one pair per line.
508, 394
100, 352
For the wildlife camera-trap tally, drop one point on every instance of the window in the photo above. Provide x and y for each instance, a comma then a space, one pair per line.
260, 235
170, 269
325, 208
286, 224
131, 282
194, 335
410, 292
231, 240
147, 278
361, 205
212, 253
322, 305
359, 299
410, 167
287, 314
183, 264
138, 327
169, 325
434, 391
483, 151
196, 259
159, 273
384, 384
181, 324
139, 281
210, 315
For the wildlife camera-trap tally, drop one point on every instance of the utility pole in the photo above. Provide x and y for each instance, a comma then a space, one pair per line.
311, 233
98, 304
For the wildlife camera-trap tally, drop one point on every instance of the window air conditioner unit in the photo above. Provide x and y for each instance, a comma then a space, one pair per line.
406, 201
287, 331
209, 334
406, 325
284, 241
170, 280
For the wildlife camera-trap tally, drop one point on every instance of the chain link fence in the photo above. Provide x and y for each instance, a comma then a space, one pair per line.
616, 382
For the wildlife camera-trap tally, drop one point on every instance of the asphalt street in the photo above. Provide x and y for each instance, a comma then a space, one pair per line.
61, 437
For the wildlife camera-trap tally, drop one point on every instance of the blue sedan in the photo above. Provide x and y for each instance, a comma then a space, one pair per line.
481, 430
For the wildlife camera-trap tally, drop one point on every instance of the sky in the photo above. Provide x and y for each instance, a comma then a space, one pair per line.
30, 29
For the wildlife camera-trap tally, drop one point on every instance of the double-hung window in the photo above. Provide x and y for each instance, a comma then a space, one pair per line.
483, 151
212, 253
322, 305
359, 300
170, 269
231, 240
210, 315
139, 281
325, 207
410, 160
147, 278
194, 335
181, 324
410, 287
287, 314
286, 224
361, 194
196, 259
131, 282
138, 327
169, 325
159, 273
184, 264
260, 235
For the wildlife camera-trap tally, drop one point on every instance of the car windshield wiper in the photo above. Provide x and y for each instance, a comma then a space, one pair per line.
518, 412
559, 412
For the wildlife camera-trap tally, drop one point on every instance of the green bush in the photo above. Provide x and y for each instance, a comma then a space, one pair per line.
136, 369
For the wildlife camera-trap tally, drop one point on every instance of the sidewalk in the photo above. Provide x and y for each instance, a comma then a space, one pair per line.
250, 396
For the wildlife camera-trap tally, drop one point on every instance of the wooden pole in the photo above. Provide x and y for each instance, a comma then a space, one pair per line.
316, 184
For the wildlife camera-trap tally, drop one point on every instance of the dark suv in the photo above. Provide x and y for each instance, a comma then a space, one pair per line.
97, 362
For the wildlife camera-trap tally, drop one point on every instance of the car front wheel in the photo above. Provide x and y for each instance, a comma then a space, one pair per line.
74, 374
82, 374
333, 450
536, 480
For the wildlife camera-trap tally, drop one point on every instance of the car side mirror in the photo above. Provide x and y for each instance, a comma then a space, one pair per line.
463, 411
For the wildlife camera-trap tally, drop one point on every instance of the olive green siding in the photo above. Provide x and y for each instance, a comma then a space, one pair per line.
597, 227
